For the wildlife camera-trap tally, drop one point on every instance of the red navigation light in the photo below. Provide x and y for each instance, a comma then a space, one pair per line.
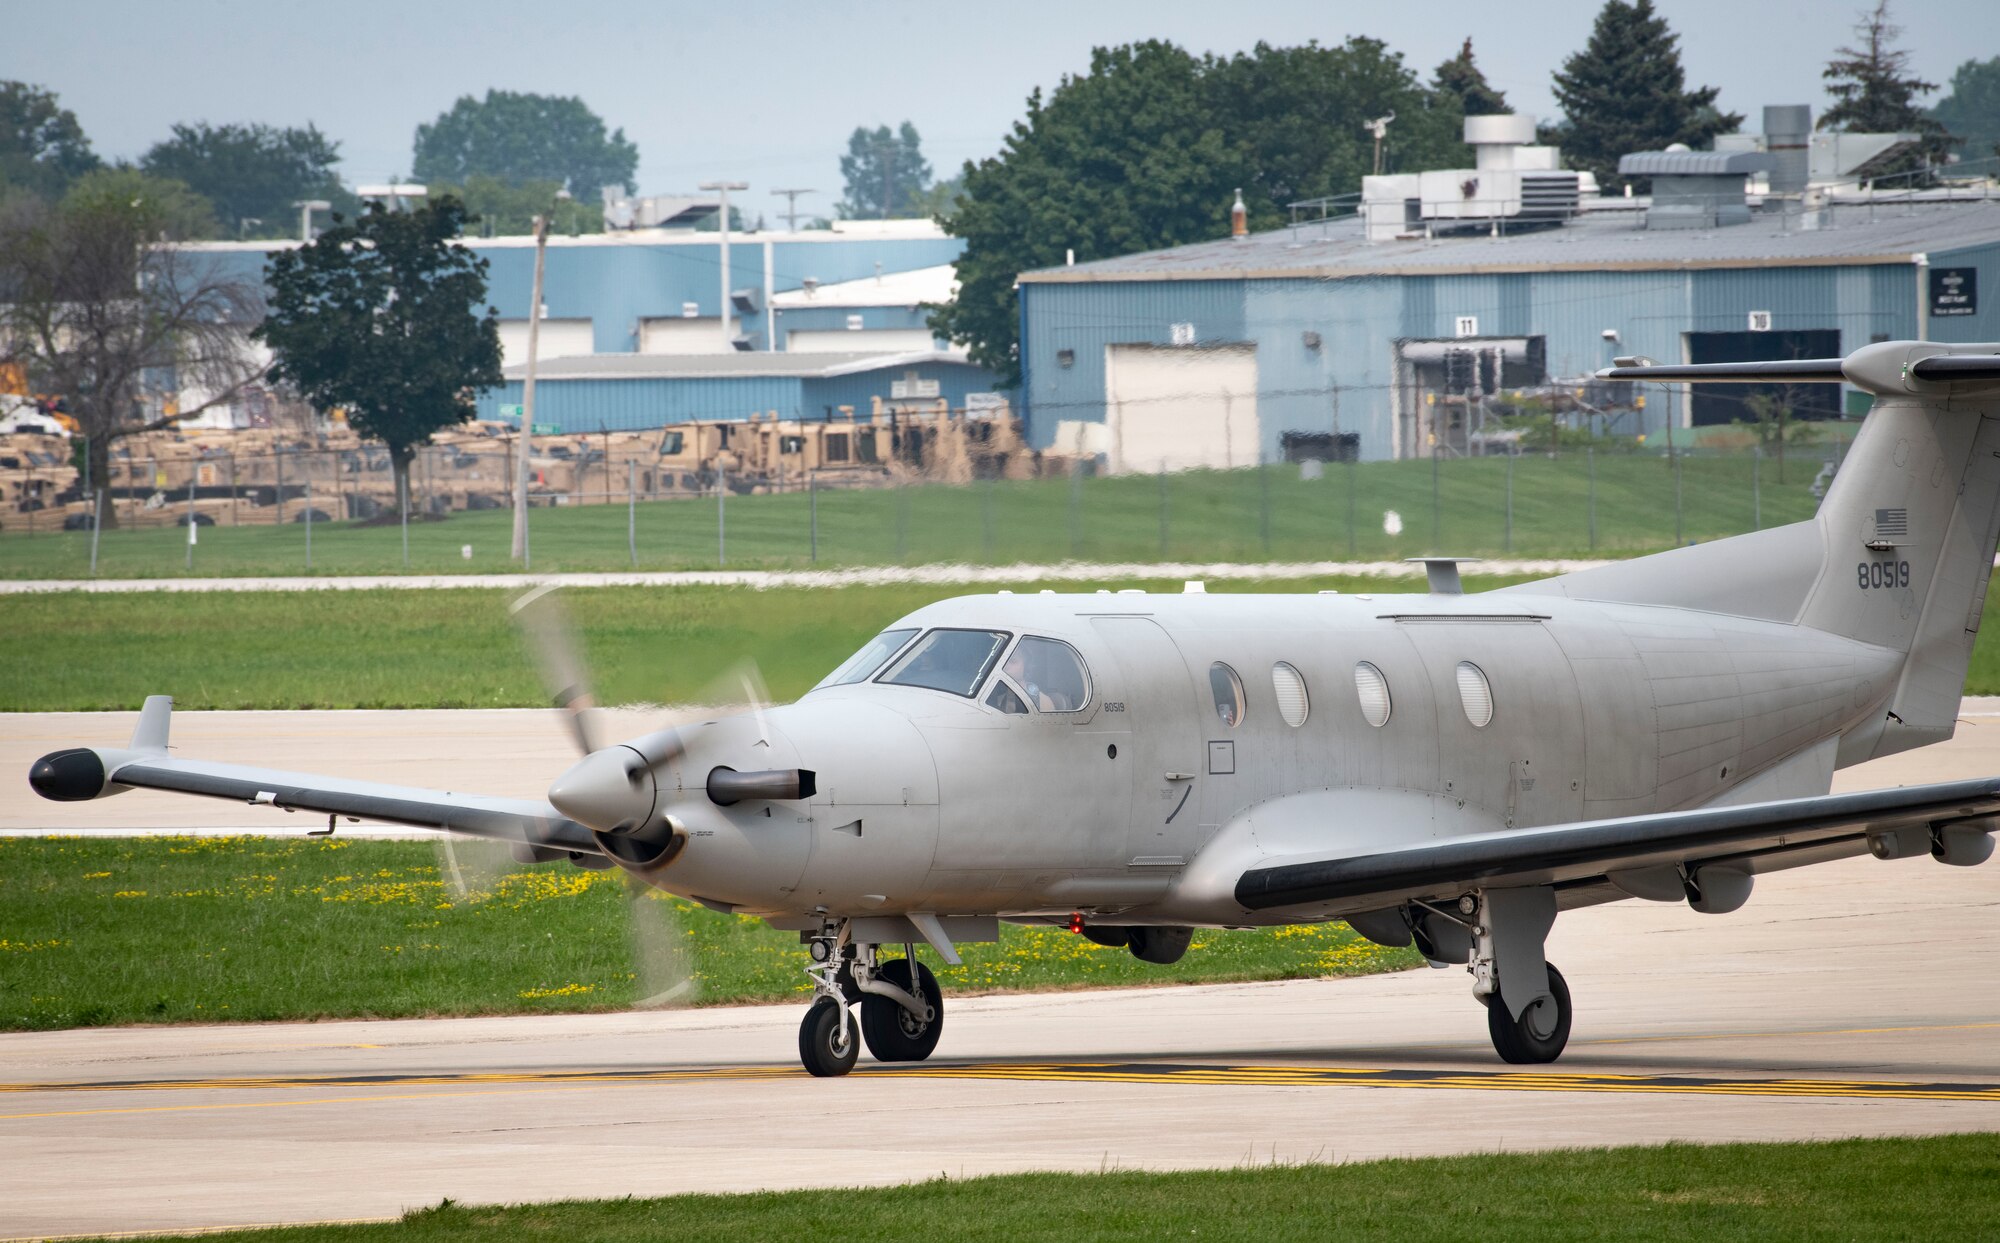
1076, 922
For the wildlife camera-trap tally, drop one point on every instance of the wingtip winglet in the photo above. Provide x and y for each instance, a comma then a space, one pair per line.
154, 719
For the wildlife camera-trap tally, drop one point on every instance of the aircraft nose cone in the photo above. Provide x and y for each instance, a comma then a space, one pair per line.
607, 790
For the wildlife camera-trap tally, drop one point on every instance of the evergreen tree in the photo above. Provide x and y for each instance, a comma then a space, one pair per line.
1460, 78
1972, 111
886, 173
1626, 91
1874, 93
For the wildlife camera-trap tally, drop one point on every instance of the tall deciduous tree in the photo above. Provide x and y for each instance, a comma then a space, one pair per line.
886, 173
42, 147
252, 174
1626, 92
517, 138
1972, 110
1148, 148
1875, 93
381, 317
1460, 78
109, 312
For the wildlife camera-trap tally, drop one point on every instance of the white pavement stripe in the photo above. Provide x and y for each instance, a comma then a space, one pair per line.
861, 576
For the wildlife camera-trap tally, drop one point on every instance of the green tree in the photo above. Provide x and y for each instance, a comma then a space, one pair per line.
107, 310
252, 174
886, 174
518, 138
1874, 93
1148, 148
507, 209
42, 147
1972, 110
381, 317
1626, 92
1460, 78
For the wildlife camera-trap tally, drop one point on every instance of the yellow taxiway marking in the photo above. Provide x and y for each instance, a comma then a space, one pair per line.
1185, 1074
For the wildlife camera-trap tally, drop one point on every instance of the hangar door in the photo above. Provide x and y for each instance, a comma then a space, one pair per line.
1724, 403
1181, 407
559, 338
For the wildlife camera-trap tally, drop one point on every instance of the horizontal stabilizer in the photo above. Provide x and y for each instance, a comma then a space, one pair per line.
1957, 367
1790, 371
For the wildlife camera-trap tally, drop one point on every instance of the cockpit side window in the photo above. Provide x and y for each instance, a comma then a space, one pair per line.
873, 655
1003, 697
1050, 674
949, 660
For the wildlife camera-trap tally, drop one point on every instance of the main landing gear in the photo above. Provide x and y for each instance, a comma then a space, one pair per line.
902, 1008
1498, 934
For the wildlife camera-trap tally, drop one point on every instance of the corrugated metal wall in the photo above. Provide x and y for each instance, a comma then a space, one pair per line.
1346, 383
617, 284
630, 404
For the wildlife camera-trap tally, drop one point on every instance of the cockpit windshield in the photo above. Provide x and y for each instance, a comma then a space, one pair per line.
949, 660
873, 655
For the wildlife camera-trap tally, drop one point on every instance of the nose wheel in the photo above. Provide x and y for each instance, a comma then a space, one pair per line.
902, 1008
828, 1041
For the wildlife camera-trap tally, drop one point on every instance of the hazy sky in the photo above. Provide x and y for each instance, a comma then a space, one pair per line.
768, 93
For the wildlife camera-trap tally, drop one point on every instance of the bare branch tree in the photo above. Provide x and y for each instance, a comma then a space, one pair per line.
131, 329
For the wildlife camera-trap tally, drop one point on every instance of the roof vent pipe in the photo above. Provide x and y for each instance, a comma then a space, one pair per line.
1239, 217
1787, 137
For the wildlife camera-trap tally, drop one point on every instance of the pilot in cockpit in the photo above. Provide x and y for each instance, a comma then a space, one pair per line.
1027, 665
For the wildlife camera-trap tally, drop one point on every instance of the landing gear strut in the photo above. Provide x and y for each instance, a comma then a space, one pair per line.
902, 1008
1499, 935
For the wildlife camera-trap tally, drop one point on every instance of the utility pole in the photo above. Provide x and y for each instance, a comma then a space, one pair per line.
724, 187
528, 394
791, 213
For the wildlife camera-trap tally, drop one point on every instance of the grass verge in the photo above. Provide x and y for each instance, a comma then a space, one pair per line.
1615, 504
139, 930
447, 648
73, 651
1931, 1188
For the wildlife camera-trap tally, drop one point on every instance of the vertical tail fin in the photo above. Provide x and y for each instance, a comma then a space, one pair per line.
1911, 523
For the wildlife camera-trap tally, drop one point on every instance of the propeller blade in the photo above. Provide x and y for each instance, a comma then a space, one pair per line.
553, 642
663, 960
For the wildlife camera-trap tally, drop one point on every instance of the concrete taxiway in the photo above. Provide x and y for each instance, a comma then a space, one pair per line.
1857, 998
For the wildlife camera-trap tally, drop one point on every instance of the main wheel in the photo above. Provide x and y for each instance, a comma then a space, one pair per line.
821, 1049
1540, 1033
893, 1033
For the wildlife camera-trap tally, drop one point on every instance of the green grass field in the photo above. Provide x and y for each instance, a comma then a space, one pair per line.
1876, 1189
1244, 515
455, 648
447, 648
173, 930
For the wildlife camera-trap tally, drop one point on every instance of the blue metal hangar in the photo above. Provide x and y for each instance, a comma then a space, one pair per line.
629, 392
1391, 332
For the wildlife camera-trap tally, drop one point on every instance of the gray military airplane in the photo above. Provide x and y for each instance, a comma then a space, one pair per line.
1441, 769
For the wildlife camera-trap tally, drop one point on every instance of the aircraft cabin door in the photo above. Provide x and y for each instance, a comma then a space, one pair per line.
1164, 746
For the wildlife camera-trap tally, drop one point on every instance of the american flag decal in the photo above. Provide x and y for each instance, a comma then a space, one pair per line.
1892, 522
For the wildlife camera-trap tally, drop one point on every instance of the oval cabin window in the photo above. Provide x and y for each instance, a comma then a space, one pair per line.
1290, 690
1475, 694
1228, 691
1373, 689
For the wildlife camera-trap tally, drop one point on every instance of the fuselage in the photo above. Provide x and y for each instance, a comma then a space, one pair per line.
1217, 731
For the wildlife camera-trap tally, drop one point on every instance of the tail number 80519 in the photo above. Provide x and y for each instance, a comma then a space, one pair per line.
1872, 574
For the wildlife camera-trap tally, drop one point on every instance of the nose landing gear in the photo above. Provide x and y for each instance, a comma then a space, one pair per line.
902, 1008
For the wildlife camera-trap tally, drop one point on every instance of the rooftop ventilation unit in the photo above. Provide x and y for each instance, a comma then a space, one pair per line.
1697, 189
1513, 183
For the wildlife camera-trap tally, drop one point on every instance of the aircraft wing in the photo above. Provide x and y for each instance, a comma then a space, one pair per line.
1754, 837
86, 772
